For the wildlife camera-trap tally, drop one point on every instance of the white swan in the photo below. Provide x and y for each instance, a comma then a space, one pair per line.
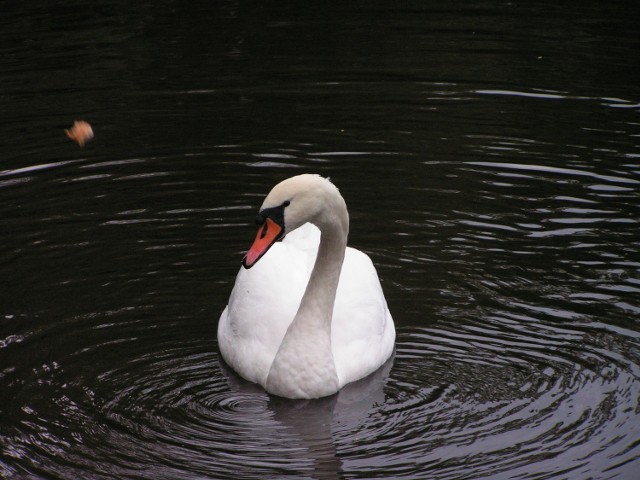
308, 342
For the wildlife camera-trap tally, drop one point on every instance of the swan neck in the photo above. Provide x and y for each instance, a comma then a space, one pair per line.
319, 297
304, 366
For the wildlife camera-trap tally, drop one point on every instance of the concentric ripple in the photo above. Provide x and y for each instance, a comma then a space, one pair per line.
510, 398
500, 406
166, 413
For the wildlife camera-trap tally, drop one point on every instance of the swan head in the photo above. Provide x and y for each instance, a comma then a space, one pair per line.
292, 203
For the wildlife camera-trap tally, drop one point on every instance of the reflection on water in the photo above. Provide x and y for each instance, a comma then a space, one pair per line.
489, 158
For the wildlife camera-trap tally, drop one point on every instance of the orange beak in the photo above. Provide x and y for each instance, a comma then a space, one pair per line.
268, 234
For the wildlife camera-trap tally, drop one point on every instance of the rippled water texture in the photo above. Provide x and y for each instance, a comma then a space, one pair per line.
490, 159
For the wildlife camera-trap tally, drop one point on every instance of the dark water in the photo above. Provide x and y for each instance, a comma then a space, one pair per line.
490, 157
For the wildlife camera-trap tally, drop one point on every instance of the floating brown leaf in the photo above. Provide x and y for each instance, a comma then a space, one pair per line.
80, 132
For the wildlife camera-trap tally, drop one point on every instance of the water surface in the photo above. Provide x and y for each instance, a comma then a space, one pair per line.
489, 155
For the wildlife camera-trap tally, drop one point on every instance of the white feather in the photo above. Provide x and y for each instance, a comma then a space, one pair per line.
312, 361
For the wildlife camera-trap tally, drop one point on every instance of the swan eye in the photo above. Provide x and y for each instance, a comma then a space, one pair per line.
286, 203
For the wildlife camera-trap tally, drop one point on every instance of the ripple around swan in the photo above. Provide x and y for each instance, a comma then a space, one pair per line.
474, 402
493, 395
166, 413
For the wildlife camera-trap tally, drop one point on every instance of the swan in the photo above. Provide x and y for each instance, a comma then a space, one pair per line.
307, 314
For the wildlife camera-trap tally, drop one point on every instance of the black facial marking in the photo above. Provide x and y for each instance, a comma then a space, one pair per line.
274, 213
261, 218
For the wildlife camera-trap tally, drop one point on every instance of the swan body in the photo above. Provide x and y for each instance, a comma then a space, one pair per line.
306, 315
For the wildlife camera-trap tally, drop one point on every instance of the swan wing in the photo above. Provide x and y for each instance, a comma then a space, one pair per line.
362, 333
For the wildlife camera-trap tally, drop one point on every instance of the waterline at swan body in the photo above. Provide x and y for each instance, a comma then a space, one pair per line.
307, 315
